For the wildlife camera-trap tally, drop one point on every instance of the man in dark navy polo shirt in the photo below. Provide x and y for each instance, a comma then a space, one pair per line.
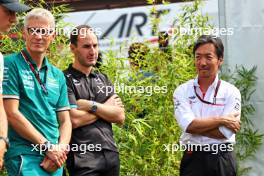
94, 107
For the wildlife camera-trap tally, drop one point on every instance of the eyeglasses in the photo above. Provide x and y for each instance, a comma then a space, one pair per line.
40, 31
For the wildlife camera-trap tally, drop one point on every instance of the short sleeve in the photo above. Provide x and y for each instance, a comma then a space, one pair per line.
70, 92
11, 80
233, 105
182, 109
63, 102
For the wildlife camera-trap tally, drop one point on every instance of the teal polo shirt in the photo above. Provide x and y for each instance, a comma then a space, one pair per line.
37, 106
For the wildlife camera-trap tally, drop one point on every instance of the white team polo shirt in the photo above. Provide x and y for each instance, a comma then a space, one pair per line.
188, 107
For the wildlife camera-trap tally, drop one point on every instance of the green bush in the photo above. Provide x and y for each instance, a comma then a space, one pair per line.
142, 139
248, 138
150, 123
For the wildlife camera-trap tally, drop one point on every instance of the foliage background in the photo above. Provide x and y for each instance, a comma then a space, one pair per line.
150, 122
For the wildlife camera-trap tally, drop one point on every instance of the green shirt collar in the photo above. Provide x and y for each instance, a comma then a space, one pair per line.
45, 61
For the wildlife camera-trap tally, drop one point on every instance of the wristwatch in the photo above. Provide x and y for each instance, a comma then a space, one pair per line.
6, 140
94, 107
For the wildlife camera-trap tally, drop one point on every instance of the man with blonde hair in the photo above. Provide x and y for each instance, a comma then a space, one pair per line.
35, 93
8, 9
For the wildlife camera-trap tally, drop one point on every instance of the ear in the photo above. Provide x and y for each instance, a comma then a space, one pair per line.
72, 47
221, 61
24, 33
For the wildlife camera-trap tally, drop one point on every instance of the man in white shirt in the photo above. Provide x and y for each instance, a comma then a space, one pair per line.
8, 9
208, 111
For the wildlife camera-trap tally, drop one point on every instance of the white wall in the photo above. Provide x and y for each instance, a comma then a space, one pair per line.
246, 47
104, 19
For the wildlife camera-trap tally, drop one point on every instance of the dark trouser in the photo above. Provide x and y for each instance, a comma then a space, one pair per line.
103, 163
208, 164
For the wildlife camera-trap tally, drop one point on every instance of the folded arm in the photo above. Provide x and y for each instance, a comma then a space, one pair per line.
112, 110
81, 117
214, 127
210, 126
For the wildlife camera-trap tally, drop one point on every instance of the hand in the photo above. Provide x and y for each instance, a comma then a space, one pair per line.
232, 122
2, 152
114, 100
57, 154
48, 165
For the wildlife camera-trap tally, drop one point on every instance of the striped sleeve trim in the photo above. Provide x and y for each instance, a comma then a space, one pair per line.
73, 106
11, 97
66, 108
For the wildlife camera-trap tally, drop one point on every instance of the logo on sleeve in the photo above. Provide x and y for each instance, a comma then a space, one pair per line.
192, 97
76, 82
53, 83
98, 81
6, 76
177, 104
237, 106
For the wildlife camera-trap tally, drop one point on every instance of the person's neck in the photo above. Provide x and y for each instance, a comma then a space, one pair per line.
205, 83
37, 57
85, 70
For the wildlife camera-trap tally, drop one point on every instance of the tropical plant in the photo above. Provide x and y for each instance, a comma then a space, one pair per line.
147, 140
